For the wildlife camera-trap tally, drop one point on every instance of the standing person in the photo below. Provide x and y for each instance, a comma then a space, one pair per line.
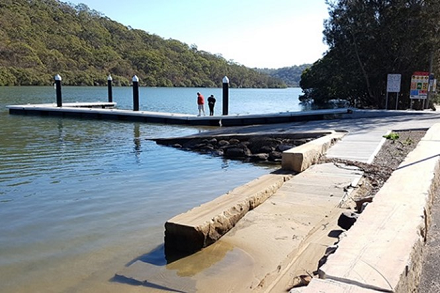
201, 104
211, 104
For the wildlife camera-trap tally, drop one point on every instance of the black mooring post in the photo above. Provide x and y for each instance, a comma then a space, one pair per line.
58, 90
225, 95
109, 86
135, 93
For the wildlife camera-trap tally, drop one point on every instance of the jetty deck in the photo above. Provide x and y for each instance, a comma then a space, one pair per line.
106, 111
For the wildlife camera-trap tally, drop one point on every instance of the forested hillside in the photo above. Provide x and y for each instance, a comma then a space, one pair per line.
42, 38
290, 75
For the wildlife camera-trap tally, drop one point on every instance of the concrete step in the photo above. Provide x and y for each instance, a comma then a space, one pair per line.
201, 226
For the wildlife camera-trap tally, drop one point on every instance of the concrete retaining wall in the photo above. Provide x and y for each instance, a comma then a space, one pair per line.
302, 157
383, 250
205, 224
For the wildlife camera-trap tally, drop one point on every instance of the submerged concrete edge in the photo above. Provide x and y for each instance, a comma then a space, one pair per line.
203, 225
382, 252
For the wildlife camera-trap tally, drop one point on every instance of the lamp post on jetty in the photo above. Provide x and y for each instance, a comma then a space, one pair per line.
135, 93
109, 86
58, 90
225, 95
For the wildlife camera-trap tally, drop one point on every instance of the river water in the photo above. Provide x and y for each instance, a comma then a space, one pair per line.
82, 199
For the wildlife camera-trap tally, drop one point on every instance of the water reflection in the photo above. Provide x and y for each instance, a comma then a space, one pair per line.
225, 163
137, 141
61, 135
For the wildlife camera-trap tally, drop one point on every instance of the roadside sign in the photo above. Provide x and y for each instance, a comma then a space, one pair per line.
419, 85
393, 83
393, 86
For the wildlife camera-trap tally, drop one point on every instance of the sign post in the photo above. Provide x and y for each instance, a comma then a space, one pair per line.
419, 86
393, 86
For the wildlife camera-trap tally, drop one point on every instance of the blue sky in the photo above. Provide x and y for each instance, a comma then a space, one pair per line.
255, 33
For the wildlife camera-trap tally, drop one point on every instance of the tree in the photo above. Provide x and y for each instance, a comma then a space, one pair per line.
369, 39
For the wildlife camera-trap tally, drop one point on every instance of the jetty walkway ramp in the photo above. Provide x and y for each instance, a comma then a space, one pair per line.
107, 111
286, 236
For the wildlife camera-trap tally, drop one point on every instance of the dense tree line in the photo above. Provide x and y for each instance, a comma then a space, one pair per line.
290, 75
41, 38
369, 39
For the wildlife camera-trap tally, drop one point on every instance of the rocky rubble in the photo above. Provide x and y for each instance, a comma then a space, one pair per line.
246, 148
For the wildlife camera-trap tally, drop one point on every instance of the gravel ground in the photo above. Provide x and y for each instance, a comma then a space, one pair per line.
391, 154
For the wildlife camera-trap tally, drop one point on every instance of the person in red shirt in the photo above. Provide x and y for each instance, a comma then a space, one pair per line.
201, 104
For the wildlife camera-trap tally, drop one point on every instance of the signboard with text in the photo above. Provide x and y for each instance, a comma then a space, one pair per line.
419, 85
393, 83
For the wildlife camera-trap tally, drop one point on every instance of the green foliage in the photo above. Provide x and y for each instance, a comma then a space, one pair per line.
392, 136
39, 39
290, 75
408, 141
368, 40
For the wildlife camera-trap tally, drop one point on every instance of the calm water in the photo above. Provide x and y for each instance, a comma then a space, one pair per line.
81, 199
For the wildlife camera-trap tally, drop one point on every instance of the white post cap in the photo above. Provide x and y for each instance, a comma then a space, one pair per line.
135, 78
109, 77
225, 79
57, 77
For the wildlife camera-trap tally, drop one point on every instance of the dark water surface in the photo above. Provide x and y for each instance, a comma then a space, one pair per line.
81, 199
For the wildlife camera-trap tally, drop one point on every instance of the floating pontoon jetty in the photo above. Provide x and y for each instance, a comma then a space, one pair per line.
106, 111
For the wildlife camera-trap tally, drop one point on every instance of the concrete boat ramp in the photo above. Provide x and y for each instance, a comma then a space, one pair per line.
286, 235
106, 110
